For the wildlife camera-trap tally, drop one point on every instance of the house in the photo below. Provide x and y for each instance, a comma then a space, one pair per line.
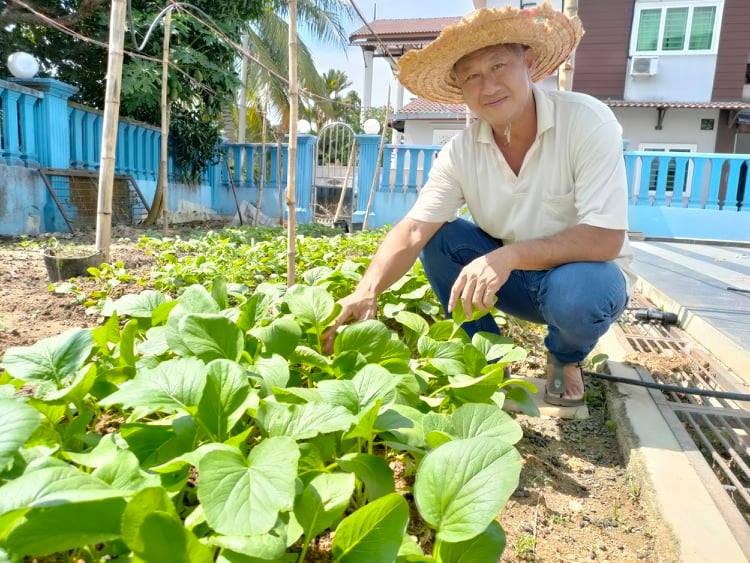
676, 73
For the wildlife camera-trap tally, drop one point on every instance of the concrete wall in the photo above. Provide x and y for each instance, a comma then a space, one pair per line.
23, 199
680, 126
743, 143
680, 78
420, 132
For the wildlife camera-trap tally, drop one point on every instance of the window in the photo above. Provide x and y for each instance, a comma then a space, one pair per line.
674, 29
702, 30
677, 28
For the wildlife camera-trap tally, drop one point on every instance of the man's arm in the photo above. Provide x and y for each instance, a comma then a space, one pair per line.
480, 280
395, 256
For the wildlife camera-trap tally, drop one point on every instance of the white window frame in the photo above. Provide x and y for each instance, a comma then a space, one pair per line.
666, 148
663, 6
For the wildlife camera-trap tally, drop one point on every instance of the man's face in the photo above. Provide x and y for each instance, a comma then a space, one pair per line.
496, 82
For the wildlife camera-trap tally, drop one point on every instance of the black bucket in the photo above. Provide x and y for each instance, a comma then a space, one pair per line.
61, 267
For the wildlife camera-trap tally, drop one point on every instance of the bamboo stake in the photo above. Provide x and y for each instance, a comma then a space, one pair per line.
242, 96
164, 157
109, 129
380, 163
565, 76
340, 206
258, 207
292, 165
279, 175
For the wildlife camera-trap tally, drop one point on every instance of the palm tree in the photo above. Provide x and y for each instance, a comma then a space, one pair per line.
336, 81
268, 38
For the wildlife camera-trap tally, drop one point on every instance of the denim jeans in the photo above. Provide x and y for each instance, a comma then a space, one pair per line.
577, 301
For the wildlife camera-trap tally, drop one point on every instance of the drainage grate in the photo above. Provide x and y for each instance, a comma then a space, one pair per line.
715, 433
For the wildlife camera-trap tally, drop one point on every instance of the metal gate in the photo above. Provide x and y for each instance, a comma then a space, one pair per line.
335, 150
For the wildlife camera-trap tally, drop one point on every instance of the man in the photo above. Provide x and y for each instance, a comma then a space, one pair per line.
543, 177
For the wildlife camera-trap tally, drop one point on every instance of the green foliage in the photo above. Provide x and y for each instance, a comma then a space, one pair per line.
240, 438
197, 95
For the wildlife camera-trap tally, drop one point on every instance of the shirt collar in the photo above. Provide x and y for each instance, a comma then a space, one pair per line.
545, 116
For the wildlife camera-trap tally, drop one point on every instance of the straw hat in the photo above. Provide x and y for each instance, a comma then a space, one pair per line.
550, 34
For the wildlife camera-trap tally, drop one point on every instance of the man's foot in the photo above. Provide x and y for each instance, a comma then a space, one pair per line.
572, 392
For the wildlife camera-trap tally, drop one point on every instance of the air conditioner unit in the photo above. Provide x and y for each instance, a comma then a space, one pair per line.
644, 66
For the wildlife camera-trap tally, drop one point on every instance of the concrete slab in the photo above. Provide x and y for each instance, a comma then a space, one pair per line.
671, 487
693, 281
545, 409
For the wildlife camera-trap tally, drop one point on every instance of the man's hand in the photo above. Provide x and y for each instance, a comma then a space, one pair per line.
358, 306
479, 281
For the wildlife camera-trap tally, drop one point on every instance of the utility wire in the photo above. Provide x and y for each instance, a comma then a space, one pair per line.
207, 22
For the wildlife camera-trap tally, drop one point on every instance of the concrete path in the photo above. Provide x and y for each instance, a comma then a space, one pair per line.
709, 286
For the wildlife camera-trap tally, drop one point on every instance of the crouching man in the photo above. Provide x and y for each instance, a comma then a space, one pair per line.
543, 177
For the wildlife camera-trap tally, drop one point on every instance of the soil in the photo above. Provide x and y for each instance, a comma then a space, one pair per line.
575, 502
29, 311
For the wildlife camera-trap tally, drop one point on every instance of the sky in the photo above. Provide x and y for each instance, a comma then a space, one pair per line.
350, 59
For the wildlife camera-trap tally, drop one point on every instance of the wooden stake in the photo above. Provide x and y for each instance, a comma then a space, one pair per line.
292, 167
379, 167
279, 175
263, 113
164, 157
109, 129
340, 206
565, 76
242, 97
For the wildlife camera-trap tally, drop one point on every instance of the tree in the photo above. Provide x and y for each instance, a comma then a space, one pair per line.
196, 95
268, 38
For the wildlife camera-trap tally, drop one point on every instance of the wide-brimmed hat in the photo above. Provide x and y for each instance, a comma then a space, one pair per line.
550, 34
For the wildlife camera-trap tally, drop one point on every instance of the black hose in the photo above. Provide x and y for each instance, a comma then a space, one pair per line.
674, 388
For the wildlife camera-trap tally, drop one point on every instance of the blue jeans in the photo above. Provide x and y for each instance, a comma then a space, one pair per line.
577, 301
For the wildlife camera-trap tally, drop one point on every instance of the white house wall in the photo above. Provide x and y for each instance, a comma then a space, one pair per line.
680, 126
680, 78
421, 132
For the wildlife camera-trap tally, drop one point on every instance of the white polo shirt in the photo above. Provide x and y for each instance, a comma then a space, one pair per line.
574, 173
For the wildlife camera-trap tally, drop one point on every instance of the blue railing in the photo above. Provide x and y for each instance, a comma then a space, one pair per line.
687, 195
689, 180
406, 167
138, 144
244, 162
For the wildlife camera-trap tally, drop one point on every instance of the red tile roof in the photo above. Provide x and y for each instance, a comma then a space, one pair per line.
678, 105
420, 105
415, 26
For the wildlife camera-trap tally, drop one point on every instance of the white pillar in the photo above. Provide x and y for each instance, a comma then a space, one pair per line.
367, 93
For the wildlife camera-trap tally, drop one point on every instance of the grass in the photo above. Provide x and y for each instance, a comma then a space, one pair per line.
525, 546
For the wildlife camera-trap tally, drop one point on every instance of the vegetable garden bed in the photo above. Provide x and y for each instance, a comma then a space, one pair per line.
202, 419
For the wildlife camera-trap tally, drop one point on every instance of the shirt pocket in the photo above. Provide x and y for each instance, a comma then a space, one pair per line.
561, 206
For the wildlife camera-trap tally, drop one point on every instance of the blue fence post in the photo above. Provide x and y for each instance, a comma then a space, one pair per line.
28, 133
368, 156
53, 137
54, 142
305, 163
12, 144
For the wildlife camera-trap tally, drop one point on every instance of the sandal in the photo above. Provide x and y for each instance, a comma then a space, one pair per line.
555, 396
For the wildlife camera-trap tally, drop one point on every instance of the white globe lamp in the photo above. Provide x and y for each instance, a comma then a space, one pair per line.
371, 126
23, 65
303, 127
